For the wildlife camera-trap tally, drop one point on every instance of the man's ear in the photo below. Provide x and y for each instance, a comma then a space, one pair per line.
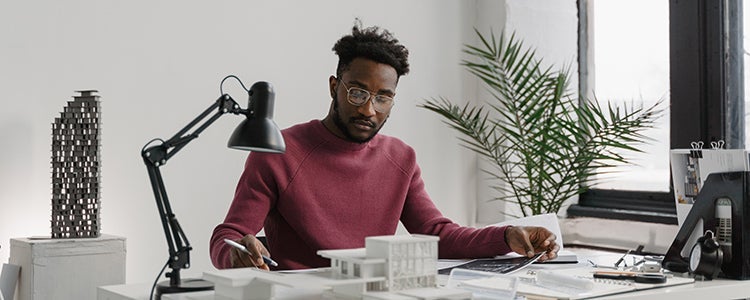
332, 83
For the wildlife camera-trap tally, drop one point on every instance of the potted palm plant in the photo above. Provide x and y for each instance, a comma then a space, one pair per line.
542, 143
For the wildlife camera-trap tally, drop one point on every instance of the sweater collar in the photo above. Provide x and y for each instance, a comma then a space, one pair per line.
338, 142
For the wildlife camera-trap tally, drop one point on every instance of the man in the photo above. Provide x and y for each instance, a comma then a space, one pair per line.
340, 181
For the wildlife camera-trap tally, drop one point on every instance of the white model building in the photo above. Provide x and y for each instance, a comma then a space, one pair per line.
389, 267
403, 261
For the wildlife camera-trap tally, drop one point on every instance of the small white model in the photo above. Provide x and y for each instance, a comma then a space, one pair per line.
402, 261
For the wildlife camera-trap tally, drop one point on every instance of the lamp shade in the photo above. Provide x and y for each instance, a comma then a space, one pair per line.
258, 132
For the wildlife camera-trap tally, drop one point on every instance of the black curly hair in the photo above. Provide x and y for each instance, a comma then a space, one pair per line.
373, 44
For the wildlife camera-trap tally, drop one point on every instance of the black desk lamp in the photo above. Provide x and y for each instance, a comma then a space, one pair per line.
258, 132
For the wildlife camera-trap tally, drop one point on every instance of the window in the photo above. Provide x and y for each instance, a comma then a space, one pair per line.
706, 94
631, 65
746, 57
376, 286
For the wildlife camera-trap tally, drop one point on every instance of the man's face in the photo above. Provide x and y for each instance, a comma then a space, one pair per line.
361, 123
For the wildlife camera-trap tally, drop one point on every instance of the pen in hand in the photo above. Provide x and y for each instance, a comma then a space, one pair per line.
242, 248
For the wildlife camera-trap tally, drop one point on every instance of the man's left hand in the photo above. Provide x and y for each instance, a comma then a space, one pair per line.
529, 240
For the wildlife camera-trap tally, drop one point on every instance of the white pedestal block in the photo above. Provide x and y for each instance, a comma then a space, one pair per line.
67, 268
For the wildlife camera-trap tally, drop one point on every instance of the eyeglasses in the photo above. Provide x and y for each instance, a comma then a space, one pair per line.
358, 97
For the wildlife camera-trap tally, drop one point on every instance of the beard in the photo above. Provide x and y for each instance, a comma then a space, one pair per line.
341, 125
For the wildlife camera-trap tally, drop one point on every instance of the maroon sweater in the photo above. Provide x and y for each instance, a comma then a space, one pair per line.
328, 193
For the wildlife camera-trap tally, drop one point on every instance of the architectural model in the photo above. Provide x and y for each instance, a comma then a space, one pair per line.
395, 263
389, 267
75, 169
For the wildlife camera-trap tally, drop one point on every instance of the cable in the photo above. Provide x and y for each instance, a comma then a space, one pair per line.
221, 85
153, 287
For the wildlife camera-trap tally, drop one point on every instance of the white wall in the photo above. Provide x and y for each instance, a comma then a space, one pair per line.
549, 27
157, 64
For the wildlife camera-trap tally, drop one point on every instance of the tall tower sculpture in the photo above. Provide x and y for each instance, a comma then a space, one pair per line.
76, 169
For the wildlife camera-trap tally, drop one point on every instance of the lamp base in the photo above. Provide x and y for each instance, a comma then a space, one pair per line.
185, 286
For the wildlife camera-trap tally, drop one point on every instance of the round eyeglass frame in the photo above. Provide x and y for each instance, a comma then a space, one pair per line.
370, 97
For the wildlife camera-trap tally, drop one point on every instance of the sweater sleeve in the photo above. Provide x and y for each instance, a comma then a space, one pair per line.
421, 216
256, 193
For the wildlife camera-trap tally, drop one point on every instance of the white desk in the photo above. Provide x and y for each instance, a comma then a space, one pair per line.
140, 291
715, 289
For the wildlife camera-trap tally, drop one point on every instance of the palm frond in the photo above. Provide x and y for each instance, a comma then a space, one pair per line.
544, 145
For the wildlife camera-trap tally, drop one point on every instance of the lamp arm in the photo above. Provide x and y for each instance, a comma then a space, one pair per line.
225, 104
179, 246
156, 156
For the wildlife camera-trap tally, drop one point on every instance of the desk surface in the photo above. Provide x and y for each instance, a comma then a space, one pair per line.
715, 289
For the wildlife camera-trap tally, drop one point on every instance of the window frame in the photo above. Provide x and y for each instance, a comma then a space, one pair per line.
706, 84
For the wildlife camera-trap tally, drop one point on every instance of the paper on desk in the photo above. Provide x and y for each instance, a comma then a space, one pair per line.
450, 263
532, 289
548, 221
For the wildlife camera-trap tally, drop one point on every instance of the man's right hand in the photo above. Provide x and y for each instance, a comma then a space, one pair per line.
241, 259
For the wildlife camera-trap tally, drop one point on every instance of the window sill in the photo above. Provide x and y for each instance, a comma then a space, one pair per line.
618, 234
622, 214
